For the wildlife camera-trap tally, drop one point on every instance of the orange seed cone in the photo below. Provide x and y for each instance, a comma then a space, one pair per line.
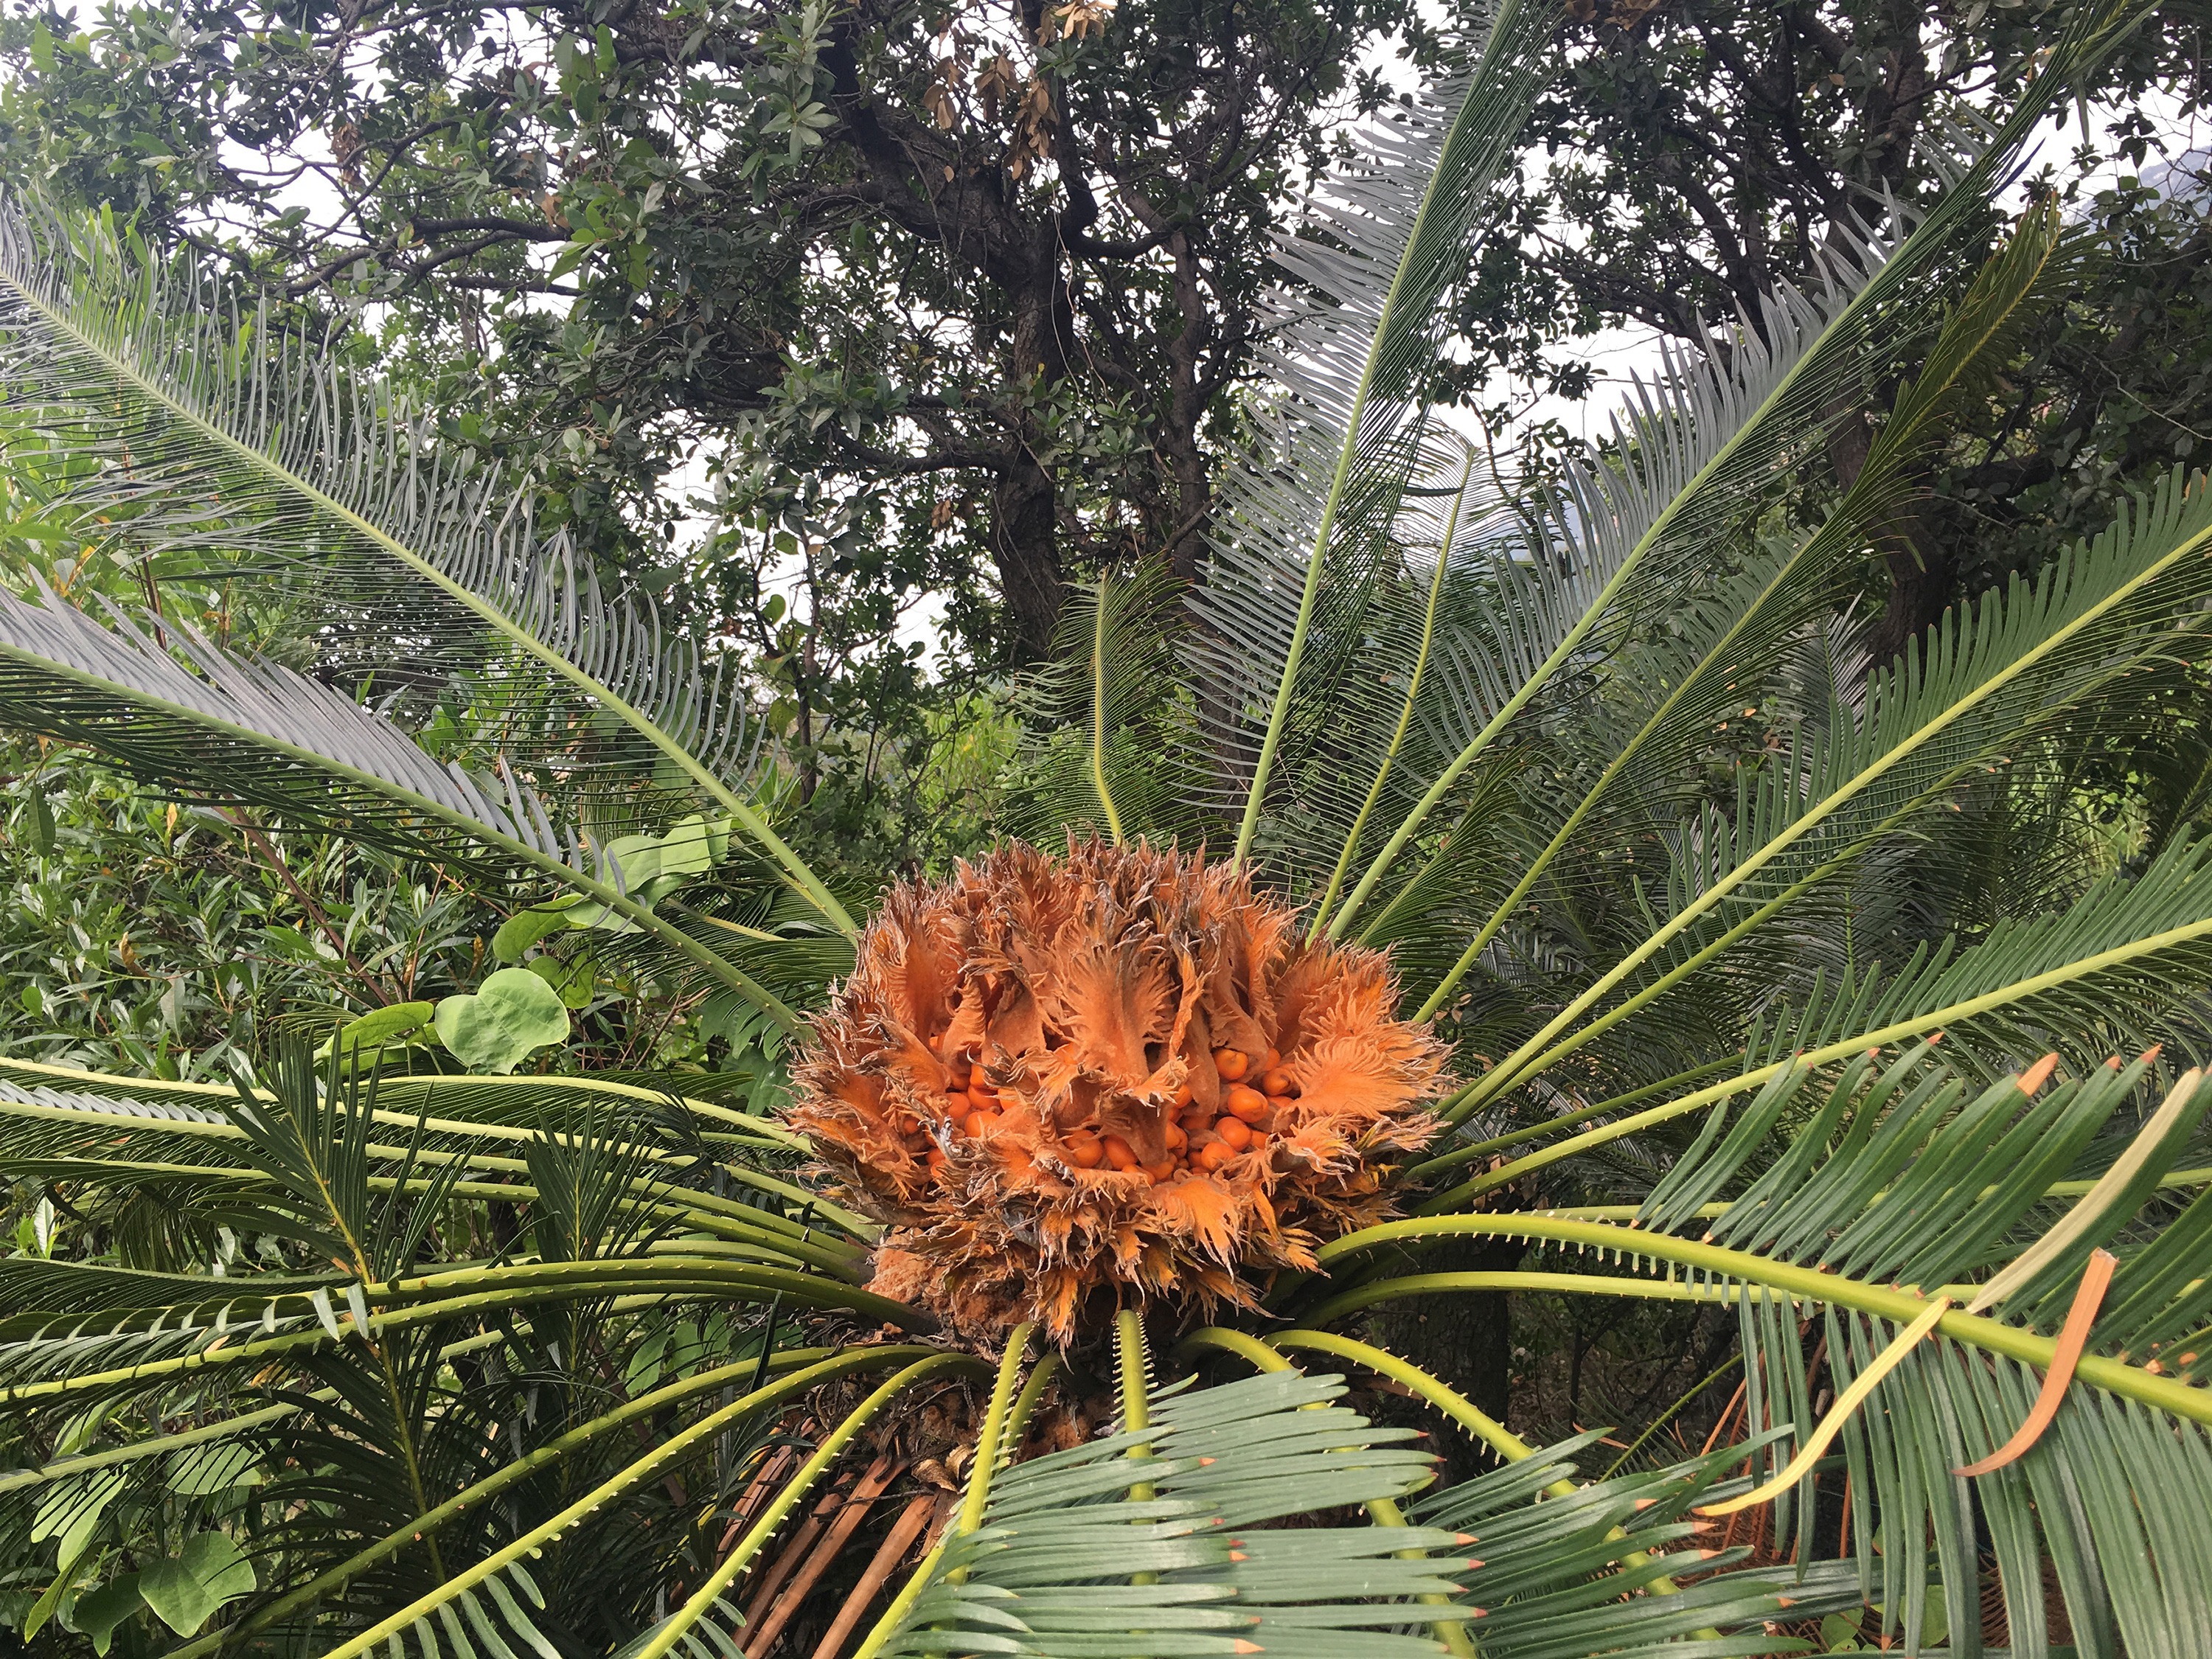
1088, 997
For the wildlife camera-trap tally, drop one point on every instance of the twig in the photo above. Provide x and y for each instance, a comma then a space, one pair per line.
259, 843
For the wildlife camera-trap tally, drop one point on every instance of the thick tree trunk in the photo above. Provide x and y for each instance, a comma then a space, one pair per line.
1921, 583
1178, 432
1025, 546
1922, 571
1024, 530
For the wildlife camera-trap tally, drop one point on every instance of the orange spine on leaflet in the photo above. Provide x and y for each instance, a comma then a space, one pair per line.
1066, 1084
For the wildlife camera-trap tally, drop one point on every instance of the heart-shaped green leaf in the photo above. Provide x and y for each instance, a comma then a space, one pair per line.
525, 928
513, 1012
186, 1589
652, 867
99, 1612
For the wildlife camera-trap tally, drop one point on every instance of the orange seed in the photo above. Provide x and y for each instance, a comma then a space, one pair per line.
1248, 1103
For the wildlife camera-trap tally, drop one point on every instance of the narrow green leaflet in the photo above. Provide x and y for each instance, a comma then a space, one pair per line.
1851, 1190
1048, 1571
284, 475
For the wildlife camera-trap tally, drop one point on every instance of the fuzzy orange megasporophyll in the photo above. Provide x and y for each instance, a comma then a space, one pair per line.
1067, 1083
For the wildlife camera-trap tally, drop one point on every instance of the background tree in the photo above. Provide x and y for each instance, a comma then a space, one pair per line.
928, 292
991, 273
1696, 153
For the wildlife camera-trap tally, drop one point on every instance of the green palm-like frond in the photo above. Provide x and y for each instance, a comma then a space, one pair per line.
1303, 566
1738, 637
1157, 1540
425, 1426
1842, 1180
486, 1128
262, 734
516, 1366
1105, 743
1634, 537
614, 1213
2124, 965
1050, 1569
1577, 1573
252, 731
458, 1595
178, 429
2023, 663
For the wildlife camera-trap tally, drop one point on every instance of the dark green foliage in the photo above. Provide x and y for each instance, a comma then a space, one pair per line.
1691, 154
161, 936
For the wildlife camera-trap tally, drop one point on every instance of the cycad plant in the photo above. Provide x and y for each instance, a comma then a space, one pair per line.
1535, 867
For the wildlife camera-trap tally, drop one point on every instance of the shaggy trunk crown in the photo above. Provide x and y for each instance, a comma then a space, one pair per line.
1067, 1083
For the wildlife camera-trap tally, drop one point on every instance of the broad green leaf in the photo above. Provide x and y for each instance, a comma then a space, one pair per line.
97, 1613
524, 929
49, 1600
204, 1470
1840, 1633
72, 1510
396, 1024
652, 867
692, 846
186, 1588
514, 1013
574, 980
